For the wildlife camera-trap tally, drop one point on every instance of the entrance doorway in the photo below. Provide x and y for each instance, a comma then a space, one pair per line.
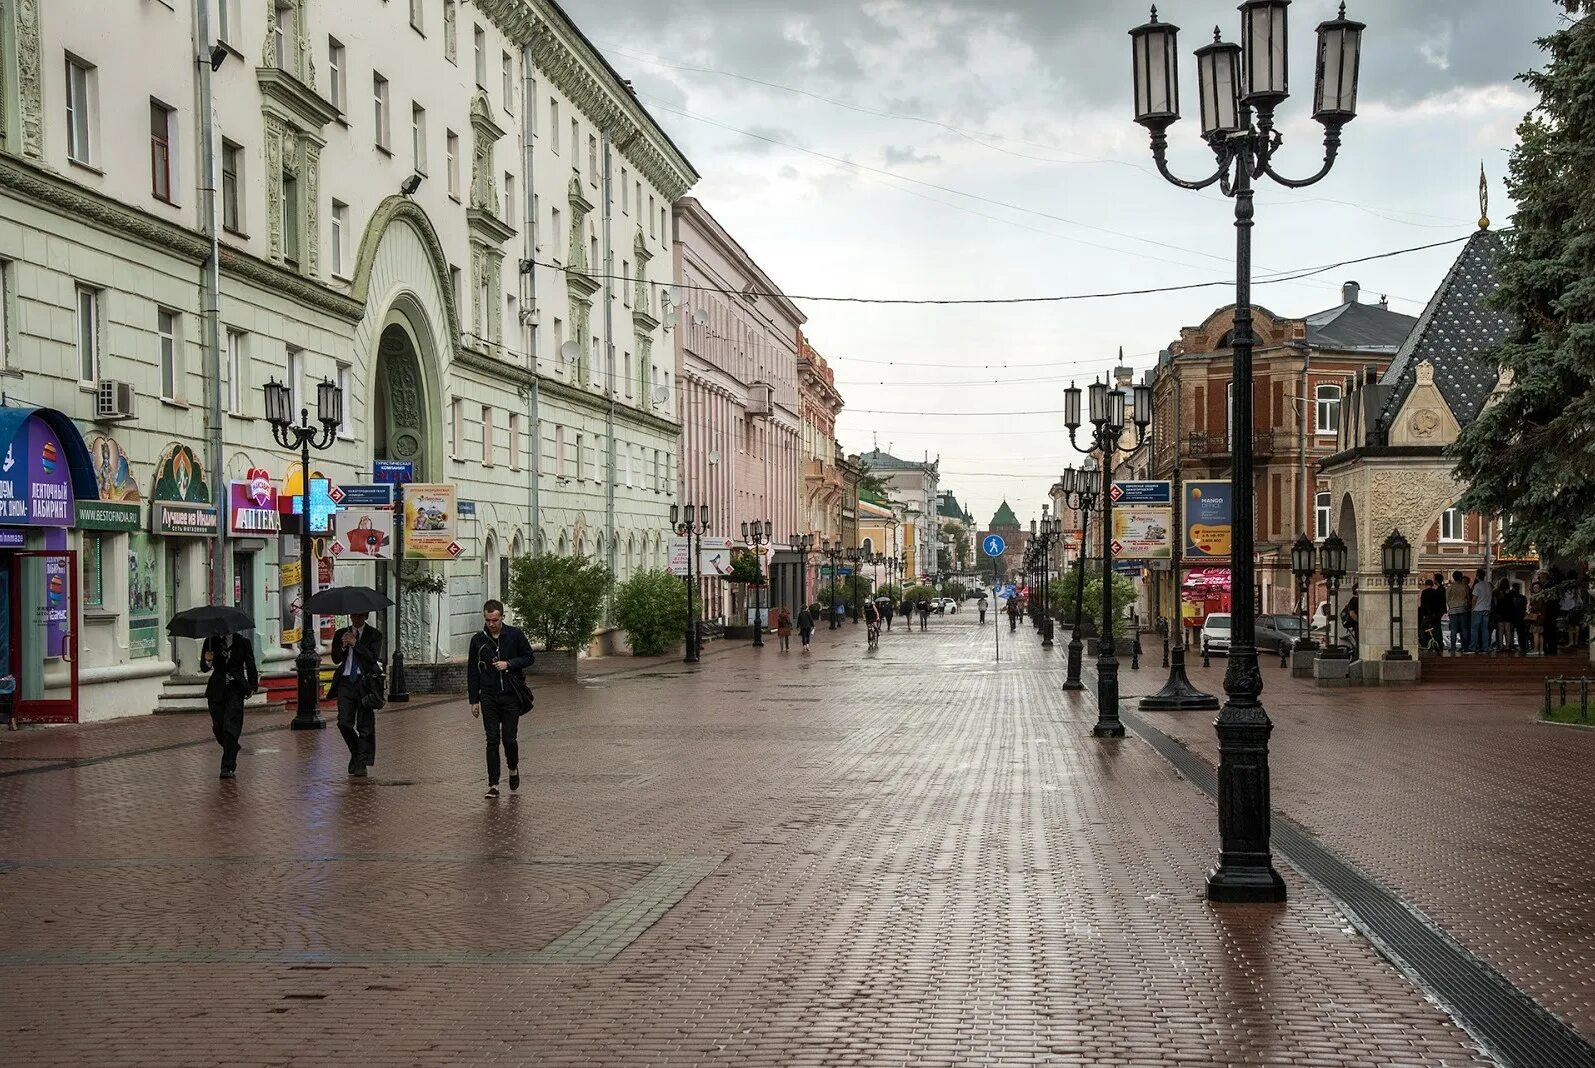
400, 431
41, 638
173, 560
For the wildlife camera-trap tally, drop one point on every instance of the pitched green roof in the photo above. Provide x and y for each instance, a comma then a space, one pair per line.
1004, 517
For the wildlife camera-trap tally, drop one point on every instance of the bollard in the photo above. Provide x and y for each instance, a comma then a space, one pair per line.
1165, 648
1583, 699
1562, 690
1207, 660
1546, 711
1135, 654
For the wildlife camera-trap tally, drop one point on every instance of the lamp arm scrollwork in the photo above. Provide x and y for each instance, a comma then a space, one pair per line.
1160, 146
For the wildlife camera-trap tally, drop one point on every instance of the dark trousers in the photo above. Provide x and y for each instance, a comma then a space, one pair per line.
1553, 630
227, 724
924, 620
501, 719
359, 729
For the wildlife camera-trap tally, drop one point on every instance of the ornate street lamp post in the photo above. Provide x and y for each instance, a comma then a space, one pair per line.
803, 544
692, 526
1396, 557
1048, 534
1237, 81
1107, 433
853, 557
1302, 566
756, 533
833, 553
1079, 493
1332, 562
302, 436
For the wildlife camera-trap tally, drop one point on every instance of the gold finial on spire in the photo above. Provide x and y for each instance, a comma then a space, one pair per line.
1484, 199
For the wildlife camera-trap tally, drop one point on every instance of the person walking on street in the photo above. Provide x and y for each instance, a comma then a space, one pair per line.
886, 613
230, 661
357, 664
805, 626
1458, 603
838, 610
783, 629
1431, 609
1483, 600
497, 690
1349, 620
982, 609
924, 613
1012, 609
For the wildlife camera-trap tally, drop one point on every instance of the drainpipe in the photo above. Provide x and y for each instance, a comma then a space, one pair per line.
210, 290
609, 366
529, 283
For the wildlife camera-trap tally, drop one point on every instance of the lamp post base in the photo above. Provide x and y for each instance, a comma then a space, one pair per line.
1178, 694
1246, 883
398, 687
306, 716
1108, 729
1076, 648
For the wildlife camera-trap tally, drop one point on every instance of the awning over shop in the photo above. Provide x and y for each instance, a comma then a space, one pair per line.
45, 468
1207, 578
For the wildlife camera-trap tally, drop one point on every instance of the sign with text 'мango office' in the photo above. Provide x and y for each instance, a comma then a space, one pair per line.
1208, 515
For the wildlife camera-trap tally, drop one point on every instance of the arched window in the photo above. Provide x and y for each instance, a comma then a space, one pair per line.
1328, 409
1451, 524
563, 545
869, 545
490, 575
631, 555
1321, 514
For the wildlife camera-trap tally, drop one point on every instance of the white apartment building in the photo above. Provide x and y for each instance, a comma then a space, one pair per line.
429, 203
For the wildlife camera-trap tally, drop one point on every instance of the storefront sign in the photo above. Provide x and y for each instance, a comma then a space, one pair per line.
35, 483
1143, 533
252, 505
112, 471
429, 522
393, 471
1207, 519
364, 534
1149, 493
12, 538
182, 502
365, 495
107, 515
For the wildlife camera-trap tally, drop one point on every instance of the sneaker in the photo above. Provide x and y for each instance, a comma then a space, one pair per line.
229, 773
359, 771
492, 791
515, 781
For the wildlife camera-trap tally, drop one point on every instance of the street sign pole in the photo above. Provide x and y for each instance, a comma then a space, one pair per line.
996, 628
398, 691
993, 546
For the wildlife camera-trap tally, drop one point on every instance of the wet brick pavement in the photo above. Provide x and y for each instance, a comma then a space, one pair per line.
915, 857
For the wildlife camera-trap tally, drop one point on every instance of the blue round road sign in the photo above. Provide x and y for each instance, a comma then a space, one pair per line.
993, 545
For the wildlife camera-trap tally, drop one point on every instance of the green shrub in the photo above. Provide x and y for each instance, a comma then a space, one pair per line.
651, 607
1061, 594
559, 600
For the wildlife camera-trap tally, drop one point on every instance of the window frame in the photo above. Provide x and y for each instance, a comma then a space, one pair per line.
237, 355
95, 330
288, 206
161, 169
1453, 516
1322, 518
487, 435
418, 16
93, 572
343, 375
339, 238
1321, 404
382, 112
82, 139
451, 149
418, 138
232, 188
451, 31
168, 342
337, 74
479, 44
507, 62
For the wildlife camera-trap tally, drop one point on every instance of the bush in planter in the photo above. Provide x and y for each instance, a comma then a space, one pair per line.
1061, 594
916, 593
651, 607
559, 599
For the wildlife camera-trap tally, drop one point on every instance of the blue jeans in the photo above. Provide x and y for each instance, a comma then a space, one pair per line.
1460, 638
1481, 631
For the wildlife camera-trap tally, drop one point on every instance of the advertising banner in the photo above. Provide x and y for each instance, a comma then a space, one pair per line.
1151, 493
143, 597
714, 557
364, 534
429, 522
181, 495
680, 555
1143, 533
1208, 512
252, 505
35, 485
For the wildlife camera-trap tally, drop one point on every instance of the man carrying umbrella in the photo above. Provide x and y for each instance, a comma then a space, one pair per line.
229, 658
357, 675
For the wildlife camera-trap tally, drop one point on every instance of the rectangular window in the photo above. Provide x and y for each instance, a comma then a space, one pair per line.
487, 436
630, 463
227, 21
592, 159
625, 191
80, 85
415, 16
1321, 515
456, 286
456, 428
237, 357
484, 309
553, 124
345, 430
166, 333
379, 101
515, 442
290, 218
509, 199
625, 283
559, 453
656, 470
651, 231
664, 226
1451, 525
340, 238
88, 331
93, 576
1328, 409
160, 151
418, 137
508, 64
628, 374
451, 44
638, 189
283, 36
512, 319
451, 143
336, 78
559, 342
479, 37
581, 459
232, 183
295, 383
575, 146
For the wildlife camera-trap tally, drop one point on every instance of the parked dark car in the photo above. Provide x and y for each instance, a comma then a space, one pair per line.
1278, 632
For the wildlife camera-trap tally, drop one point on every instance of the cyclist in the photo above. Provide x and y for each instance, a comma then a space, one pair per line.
872, 622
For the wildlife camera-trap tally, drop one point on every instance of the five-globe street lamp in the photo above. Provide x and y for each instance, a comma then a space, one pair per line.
1080, 494
302, 436
756, 532
1302, 565
1332, 562
1237, 82
692, 524
1050, 532
1107, 418
1395, 557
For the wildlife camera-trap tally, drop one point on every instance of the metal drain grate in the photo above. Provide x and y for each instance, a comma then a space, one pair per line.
1511, 1026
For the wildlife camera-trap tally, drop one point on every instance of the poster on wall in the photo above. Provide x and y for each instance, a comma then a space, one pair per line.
364, 534
429, 522
143, 597
1207, 519
112, 471
35, 483
1143, 533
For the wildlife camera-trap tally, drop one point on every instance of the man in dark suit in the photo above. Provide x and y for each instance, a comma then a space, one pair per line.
357, 657
497, 689
230, 661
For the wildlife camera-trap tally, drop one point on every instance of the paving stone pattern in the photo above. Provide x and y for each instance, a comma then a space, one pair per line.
913, 857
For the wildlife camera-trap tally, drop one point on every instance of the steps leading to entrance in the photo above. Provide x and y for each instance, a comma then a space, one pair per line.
185, 695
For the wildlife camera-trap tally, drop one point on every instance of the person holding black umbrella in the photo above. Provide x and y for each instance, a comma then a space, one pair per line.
497, 689
357, 656
229, 659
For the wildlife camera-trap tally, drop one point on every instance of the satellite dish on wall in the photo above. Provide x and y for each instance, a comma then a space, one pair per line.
661, 395
701, 317
570, 352
714, 457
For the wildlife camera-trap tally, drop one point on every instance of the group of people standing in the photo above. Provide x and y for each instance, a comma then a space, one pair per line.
498, 657
1498, 617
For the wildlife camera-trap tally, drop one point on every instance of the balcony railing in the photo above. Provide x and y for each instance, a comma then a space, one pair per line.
1201, 445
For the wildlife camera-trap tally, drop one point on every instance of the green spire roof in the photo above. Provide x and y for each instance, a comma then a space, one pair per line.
1004, 517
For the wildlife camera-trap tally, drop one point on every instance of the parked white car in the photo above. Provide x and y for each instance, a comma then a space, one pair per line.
1215, 633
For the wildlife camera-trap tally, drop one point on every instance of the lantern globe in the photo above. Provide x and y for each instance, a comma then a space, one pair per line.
1301, 557
1339, 63
1116, 406
1218, 81
279, 399
1071, 407
1099, 402
1154, 51
1265, 39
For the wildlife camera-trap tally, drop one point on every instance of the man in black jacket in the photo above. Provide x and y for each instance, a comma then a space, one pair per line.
357, 656
230, 661
497, 689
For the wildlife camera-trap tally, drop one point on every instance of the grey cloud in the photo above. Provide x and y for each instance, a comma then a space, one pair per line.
907, 155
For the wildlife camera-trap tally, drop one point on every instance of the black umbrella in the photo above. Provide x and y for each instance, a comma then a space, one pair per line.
348, 600
208, 620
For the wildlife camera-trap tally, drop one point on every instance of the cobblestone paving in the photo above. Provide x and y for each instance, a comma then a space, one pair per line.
915, 857
1454, 797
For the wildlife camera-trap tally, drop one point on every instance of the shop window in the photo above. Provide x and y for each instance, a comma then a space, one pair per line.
93, 570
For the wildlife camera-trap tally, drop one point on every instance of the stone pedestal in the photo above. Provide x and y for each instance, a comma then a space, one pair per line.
1334, 672
1301, 663
1399, 672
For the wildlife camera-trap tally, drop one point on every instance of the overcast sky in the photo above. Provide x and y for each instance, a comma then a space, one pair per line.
984, 148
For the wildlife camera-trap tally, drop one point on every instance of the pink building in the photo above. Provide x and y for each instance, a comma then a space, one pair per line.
736, 360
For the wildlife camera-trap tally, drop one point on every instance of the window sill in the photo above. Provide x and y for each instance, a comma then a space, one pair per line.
81, 165
456, 198
236, 233
241, 417
99, 616
172, 403
384, 149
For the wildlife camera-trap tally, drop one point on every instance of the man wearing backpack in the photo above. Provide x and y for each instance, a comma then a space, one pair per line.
497, 690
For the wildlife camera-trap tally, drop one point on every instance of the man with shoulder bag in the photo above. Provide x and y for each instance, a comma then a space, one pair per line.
498, 657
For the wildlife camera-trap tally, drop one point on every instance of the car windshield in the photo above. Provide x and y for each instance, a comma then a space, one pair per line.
1218, 622
1285, 624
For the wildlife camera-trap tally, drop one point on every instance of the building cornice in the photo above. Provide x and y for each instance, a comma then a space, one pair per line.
496, 371
598, 404
30, 182
293, 100
691, 209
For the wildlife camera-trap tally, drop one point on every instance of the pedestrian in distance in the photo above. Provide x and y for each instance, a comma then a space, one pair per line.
1501, 616
1534, 617
1483, 601
872, 624
983, 609
886, 613
838, 611
356, 685
1013, 610
783, 629
229, 659
1431, 609
1348, 620
924, 613
1458, 602
496, 687
805, 626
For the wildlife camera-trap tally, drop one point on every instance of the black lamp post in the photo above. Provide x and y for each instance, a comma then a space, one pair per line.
1302, 565
756, 533
301, 436
803, 544
853, 556
1079, 493
1049, 531
1332, 562
833, 553
1396, 557
1235, 81
692, 526
1107, 431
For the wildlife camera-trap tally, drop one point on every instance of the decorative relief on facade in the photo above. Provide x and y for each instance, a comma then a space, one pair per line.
276, 135
30, 87
478, 283
1425, 418
484, 187
580, 208
300, 63
1408, 498
310, 243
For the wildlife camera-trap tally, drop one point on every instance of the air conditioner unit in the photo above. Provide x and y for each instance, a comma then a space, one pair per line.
113, 400
761, 399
